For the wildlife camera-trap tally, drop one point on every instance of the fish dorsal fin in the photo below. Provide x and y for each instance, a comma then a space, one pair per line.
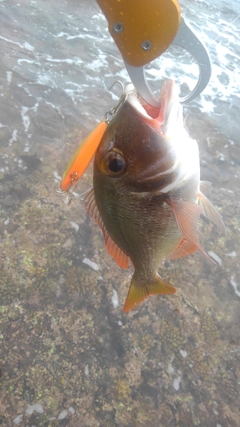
184, 248
187, 215
119, 256
138, 293
211, 212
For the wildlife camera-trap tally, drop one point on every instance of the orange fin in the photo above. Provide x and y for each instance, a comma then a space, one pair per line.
211, 212
119, 256
82, 157
184, 248
138, 294
187, 215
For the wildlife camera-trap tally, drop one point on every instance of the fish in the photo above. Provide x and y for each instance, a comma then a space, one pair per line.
147, 196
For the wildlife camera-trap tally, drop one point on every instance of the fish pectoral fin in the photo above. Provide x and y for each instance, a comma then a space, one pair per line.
184, 248
122, 259
205, 187
211, 212
187, 215
138, 293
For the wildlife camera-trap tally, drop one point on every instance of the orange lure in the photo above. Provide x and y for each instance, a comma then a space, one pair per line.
82, 157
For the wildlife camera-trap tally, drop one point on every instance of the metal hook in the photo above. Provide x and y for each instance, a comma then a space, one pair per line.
69, 195
59, 190
186, 39
121, 84
109, 114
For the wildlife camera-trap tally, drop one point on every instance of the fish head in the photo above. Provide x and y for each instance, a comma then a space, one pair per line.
143, 148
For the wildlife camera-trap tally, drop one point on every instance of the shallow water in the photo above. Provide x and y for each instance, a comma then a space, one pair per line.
68, 354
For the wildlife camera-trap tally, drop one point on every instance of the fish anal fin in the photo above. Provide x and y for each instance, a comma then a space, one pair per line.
138, 293
119, 256
184, 248
187, 215
211, 212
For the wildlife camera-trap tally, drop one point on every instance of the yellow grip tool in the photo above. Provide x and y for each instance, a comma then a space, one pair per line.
142, 29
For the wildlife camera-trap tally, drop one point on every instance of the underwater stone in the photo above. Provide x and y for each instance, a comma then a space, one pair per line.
176, 383
36, 407
63, 415
91, 264
115, 299
18, 419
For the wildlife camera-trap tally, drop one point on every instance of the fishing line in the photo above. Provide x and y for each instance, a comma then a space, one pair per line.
69, 195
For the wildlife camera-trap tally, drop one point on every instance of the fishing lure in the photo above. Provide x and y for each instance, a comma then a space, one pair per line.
82, 157
84, 154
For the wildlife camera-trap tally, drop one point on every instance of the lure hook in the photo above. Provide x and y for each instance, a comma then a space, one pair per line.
109, 114
120, 83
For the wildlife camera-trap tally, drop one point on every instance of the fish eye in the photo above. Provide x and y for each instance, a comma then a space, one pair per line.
113, 164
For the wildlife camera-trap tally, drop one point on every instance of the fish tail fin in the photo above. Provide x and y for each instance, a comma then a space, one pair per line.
138, 293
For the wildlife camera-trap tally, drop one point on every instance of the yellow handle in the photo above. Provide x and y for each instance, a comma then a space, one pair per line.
142, 29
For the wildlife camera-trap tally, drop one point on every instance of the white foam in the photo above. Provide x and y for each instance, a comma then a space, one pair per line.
9, 77
25, 118
14, 137
25, 45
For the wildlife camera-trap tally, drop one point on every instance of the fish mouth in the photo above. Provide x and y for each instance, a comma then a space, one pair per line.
166, 120
176, 154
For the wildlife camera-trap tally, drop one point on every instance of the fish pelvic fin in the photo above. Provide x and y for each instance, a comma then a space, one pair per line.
184, 248
187, 215
211, 212
121, 258
138, 293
